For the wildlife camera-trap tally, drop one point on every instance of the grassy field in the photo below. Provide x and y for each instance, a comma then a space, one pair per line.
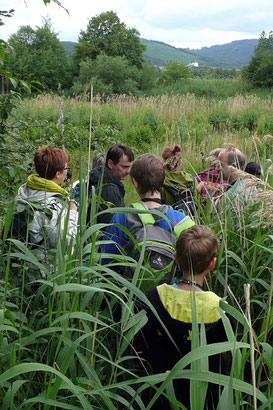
60, 346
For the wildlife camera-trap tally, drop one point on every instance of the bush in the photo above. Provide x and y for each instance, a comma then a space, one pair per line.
140, 135
265, 124
111, 117
250, 119
219, 118
149, 118
104, 136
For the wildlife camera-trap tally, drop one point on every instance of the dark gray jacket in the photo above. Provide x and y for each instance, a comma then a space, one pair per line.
113, 191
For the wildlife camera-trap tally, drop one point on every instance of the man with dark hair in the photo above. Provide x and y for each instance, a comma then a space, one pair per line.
117, 166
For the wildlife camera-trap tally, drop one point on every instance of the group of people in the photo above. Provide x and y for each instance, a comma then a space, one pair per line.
169, 192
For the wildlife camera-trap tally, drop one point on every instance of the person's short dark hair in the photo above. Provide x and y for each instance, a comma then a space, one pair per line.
148, 171
195, 249
116, 152
253, 168
49, 160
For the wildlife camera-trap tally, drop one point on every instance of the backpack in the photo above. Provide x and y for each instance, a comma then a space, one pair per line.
183, 200
22, 215
158, 263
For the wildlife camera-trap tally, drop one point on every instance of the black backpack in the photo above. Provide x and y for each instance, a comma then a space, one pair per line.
183, 200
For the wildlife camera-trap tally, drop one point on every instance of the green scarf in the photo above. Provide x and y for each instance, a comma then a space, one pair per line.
42, 184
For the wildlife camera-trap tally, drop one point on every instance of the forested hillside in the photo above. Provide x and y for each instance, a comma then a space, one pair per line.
237, 53
230, 55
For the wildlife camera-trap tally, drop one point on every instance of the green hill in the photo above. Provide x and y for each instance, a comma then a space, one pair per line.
159, 53
230, 55
236, 53
69, 46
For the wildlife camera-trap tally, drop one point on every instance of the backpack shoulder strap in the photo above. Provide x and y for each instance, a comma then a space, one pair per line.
181, 226
146, 219
171, 190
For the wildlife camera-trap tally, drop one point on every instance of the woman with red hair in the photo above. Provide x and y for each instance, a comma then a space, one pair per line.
59, 214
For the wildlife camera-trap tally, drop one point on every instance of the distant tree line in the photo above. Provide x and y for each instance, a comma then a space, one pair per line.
110, 55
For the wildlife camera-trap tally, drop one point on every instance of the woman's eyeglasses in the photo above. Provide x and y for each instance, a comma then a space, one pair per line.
67, 168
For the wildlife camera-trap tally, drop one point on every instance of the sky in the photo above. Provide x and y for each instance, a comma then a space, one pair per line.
181, 23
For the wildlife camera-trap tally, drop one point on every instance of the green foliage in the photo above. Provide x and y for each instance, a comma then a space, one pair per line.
212, 72
38, 54
175, 71
208, 88
259, 71
106, 34
149, 118
110, 75
219, 118
140, 135
148, 77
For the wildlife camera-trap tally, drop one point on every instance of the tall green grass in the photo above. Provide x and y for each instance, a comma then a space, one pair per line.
61, 346
60, 343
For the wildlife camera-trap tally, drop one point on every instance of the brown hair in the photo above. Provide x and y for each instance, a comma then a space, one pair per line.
149, 173
195, 248
172, 158
50, 160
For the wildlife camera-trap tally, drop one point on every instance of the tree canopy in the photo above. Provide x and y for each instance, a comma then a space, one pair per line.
106, 33
111, 75
175, 71
259, 71
39, 55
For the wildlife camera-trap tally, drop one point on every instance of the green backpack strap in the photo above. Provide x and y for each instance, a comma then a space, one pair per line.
181, 226
146, 219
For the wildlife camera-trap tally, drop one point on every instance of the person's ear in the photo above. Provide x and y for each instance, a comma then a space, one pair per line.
110, 164
212, 264
57, 175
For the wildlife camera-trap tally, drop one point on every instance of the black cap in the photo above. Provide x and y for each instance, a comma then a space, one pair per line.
253, 168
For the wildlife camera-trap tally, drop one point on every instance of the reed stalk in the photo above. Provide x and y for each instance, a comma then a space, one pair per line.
251, 341
268, 318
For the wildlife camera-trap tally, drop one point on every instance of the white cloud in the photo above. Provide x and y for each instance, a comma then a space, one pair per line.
191, 23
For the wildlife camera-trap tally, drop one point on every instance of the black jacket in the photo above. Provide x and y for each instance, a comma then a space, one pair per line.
163, 355
113, 191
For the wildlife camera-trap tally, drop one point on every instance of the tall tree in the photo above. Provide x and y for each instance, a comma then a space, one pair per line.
106, 33
39, 55
259, 71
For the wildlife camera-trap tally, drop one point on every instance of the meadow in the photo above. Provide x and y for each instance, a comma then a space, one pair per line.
60, 346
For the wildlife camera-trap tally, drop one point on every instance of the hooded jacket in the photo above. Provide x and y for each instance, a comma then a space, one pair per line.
113, 191
44, 230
